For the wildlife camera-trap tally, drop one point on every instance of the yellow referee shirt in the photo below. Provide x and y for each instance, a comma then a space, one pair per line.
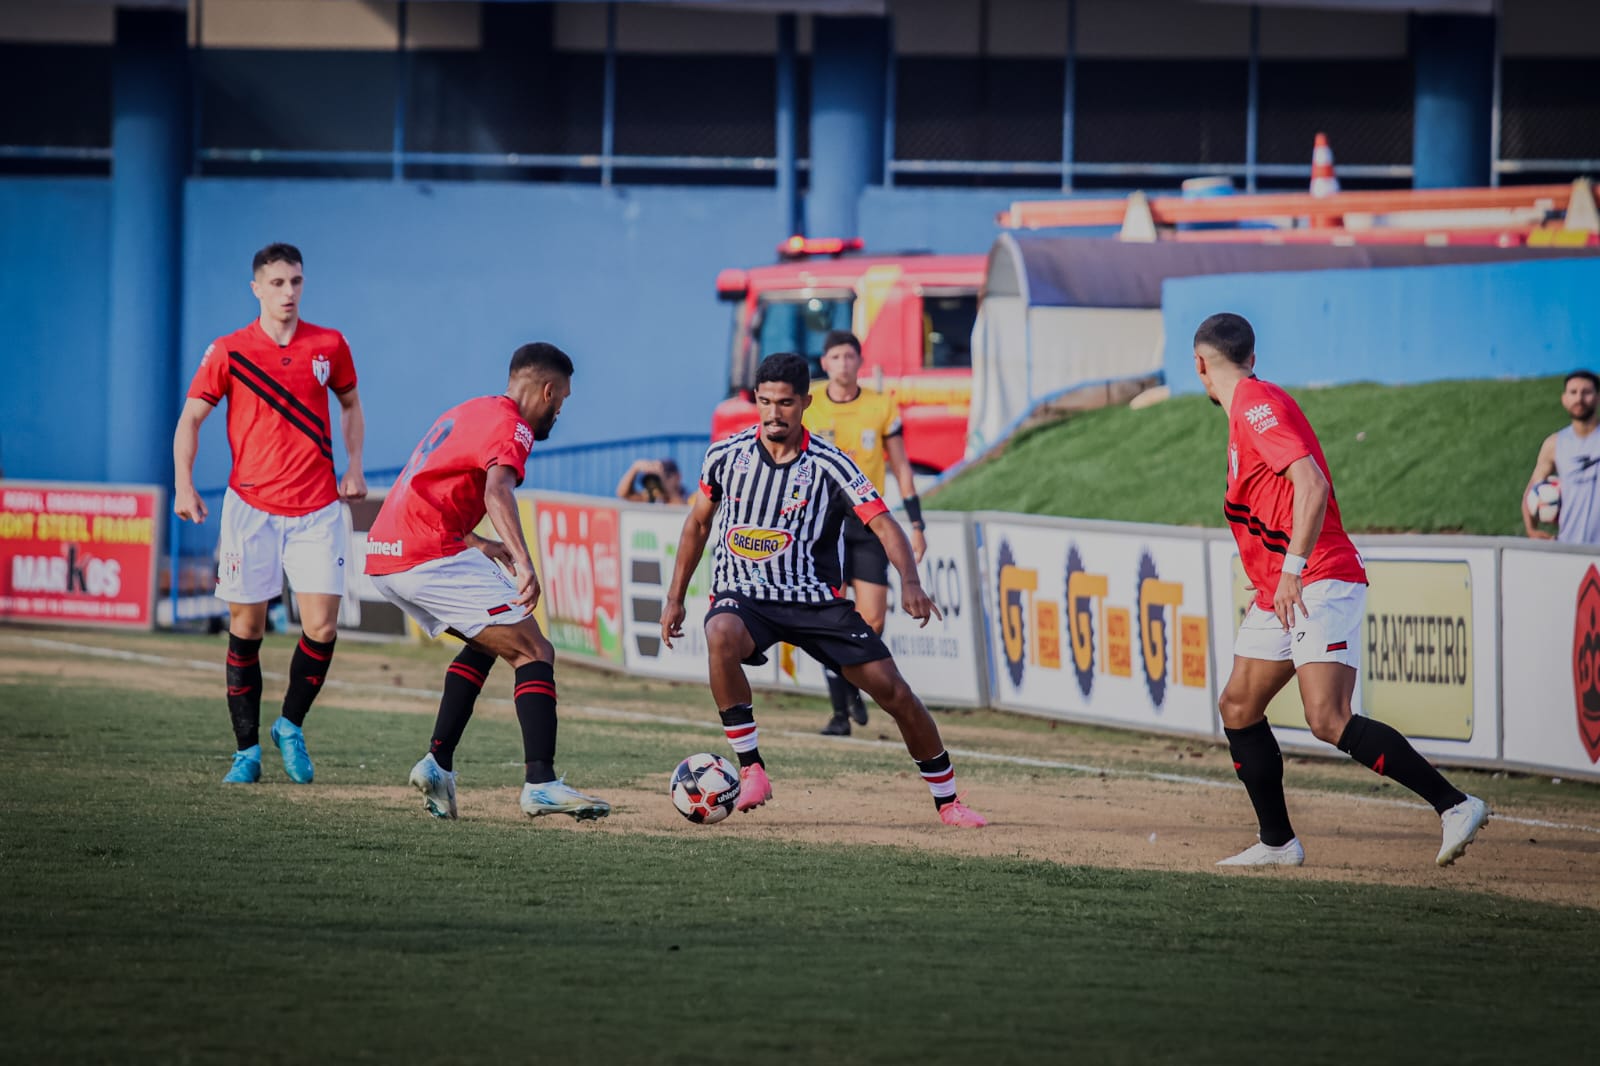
860, 428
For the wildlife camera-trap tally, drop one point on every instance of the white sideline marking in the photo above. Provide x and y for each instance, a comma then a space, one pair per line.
211, 666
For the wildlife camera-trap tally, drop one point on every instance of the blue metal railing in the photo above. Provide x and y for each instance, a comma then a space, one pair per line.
586, 469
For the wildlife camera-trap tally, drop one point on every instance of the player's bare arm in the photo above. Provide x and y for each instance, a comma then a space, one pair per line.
916, 602
499, 499
691, 546
353, 486
185, 443
1310, 508
1543, 467
895, 448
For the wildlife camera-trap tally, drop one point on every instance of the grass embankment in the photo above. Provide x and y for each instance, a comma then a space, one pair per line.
1444, 457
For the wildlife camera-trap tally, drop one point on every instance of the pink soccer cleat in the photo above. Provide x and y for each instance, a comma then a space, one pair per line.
755, 788
959, 814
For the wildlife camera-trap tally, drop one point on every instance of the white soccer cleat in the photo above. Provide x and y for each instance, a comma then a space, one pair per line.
1259, 854
437, 785
558, 797
1461, 824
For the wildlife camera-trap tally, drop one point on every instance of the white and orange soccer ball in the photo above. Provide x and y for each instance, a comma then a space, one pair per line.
704, 788
1544, 501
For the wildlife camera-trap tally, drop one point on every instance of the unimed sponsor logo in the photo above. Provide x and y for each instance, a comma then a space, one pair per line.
758, 543
386, 547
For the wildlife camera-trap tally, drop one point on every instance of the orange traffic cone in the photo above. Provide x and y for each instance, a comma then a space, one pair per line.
1323, 181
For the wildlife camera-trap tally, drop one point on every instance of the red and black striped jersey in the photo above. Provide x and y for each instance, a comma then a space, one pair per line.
777, 534
1267, 433
278, 412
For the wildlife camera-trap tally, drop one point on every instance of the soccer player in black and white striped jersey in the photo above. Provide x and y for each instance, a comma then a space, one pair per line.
775, 498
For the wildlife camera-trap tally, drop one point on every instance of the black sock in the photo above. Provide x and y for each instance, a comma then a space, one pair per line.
244, 690
536, 713
463, 680
306, 672
1259, 763
1383, 750
941, 780
839, 691
739, 724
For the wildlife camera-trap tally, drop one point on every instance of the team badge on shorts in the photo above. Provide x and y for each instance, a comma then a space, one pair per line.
321, 367
229, 566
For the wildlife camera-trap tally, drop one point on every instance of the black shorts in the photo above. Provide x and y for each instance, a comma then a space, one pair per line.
831, 633
864, 557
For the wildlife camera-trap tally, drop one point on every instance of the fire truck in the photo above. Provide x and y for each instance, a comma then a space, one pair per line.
914, 314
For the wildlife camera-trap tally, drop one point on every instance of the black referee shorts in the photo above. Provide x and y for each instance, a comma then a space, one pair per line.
832, 633
864, 557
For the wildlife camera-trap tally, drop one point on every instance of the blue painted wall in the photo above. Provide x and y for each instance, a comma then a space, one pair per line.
1397, 326
433, 284
55, 303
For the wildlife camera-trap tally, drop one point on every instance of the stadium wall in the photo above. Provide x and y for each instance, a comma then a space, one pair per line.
55, 242
1397, 326
434, 284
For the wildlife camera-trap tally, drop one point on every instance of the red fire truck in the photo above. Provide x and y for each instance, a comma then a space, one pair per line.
914, 315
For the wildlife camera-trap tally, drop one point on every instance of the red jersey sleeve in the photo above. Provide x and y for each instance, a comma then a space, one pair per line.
342, 378
509, 446
1275, 433
211, 378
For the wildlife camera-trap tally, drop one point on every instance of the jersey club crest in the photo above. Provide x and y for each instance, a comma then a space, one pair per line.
321, 367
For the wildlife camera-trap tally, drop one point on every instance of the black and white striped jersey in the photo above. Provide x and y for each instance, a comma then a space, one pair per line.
777, 530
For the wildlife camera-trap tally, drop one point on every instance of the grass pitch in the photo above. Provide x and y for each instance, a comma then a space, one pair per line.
154, 915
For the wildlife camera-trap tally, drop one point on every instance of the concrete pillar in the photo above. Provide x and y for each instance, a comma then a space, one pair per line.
848, 64
150, 144
1454, 61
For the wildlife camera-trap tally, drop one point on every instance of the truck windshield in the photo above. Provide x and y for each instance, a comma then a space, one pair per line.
947, 322
801, 325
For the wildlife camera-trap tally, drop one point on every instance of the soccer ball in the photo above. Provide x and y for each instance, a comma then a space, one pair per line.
1544, 500
704, 788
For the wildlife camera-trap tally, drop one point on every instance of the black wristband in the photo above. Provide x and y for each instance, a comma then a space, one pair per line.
914, 510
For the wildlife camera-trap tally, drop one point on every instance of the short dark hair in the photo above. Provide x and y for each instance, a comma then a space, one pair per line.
1584, 375
543, 358
277, 252
669, 465
1229, 335
785, 368
837, 337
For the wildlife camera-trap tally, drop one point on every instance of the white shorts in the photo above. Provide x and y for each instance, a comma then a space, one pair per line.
1329, 633
465, 592
256, 549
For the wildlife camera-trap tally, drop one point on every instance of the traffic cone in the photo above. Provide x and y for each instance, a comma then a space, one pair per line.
1323, 180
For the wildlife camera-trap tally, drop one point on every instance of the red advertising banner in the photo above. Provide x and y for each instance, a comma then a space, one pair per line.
580, 551
79, 554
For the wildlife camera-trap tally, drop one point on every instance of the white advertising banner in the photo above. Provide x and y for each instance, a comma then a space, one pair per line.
1551, 651
649, 539
1098, 625
943, 660
1427, 645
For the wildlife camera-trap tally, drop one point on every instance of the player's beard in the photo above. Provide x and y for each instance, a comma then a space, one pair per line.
1582, 413
542, 430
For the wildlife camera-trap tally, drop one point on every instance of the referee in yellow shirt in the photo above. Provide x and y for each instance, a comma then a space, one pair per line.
865, 425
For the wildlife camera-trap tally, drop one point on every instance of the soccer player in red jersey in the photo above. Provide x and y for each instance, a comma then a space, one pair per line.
281, 514
776, 498
1311, 594
420, 555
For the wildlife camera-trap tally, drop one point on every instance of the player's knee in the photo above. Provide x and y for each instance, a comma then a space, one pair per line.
320, 631
540, 650
1236, 711
1327, 720
895, 696
873, 618
726, 637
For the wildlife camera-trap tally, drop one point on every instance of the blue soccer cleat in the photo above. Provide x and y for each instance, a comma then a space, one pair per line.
291, 741
246, 767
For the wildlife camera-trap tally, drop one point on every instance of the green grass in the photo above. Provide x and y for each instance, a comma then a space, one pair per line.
154, 915
1451, 456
